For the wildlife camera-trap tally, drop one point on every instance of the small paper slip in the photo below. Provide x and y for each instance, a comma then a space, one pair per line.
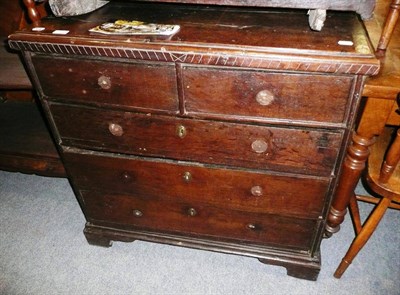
124, 27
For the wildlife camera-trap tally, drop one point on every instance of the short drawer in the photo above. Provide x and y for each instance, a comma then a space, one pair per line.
290, 195
189, 218
306, 151
261, 94
148, 86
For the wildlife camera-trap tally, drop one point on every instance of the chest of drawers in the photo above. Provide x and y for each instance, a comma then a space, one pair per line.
227, 136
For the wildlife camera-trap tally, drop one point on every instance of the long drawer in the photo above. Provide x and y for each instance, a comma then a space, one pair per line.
144, 86
263, 94
189, 218
306, 151
253, 191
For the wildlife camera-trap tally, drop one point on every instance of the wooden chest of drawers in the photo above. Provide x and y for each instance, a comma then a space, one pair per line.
228, 136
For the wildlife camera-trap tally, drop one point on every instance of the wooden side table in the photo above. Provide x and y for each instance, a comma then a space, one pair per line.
381, 98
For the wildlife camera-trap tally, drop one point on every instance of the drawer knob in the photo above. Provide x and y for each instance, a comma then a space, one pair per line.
115, 129
265, 97
137, 213
251, 226
259, 146
126, 177
104, 82
256, 191
187, 176
181, 131
192, 212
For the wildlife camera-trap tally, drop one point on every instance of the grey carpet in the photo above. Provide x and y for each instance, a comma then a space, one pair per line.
43, 251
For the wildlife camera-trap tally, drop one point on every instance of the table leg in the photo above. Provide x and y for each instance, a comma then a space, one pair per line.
354, 164
372, 123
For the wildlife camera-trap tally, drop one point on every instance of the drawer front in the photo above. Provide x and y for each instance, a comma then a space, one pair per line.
148, 86
193, 219
294, 195
259, 147
303, 97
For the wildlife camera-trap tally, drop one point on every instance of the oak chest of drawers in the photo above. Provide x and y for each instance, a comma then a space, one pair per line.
227, 136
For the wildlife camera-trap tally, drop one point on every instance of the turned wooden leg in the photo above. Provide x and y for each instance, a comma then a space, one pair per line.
33, 13
354, 164
391, 161
371, 124
355, 213
363, 237
389, 26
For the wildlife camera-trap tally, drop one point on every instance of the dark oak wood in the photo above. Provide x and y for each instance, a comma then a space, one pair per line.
145, 86
301, 271
208, 26
291, 96
98, 240
164, 215
234, 189
309, 151
220, 139
299, 266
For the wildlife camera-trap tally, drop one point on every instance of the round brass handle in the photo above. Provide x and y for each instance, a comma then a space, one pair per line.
181, 131
192, 212
265, 97
104, 82
251, 226
137, 213
126, 177
115, 129
257, 191
259, 146
187, 176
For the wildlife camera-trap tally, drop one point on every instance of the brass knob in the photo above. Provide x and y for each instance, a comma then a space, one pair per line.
126, 176
259, 146
115, 129
192, 212
137, 213
265, 97
251, 226
181, 131
187, 176
256, 191
104, 82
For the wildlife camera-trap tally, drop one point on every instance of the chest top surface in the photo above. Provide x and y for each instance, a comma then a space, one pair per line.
214, 35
